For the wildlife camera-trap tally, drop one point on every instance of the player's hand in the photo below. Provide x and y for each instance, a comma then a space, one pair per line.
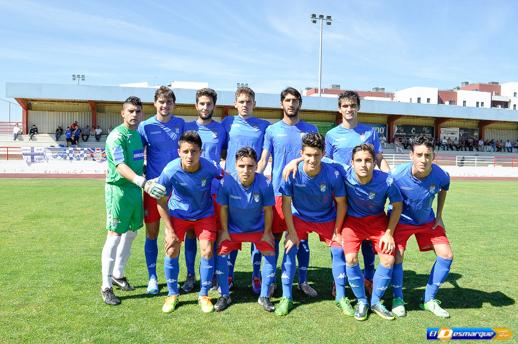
222, 236
291, 240
268, 237
291, 167
438, 222
387, 244
170, 238
337, 237
154, 189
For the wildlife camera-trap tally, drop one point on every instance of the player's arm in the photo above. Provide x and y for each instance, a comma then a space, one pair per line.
223, 219
151, 187
441, 200
268, 219
291, 167
382, 163
291, 237
341, 209
387, 243
263, 161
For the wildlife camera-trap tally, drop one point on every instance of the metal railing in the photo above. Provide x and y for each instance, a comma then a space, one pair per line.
10, 153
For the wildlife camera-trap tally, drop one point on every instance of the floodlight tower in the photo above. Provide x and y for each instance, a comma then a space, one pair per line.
328, 20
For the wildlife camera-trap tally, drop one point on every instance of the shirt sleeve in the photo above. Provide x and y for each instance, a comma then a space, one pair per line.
394, 194
142, 133
329, 146
286, 187
222, 196
338, 183
166, 179
116, 149
268, 196
267, 145
445, 183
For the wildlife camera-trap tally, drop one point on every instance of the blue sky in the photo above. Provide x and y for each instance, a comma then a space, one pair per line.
267, 44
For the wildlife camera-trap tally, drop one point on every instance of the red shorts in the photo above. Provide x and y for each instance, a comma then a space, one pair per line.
278, 223
236, 239
324, 230
150, 209
217, 208
205, 229
426, 236
357, 229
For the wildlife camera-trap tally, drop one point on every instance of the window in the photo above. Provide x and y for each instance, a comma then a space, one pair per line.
514, 94
477, 105
514, 107
419, 99
481, 104
463, 103
410, 100
428, 100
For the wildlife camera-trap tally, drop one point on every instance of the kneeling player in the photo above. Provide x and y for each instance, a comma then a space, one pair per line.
367, 191
246, 200
308, 205
188, 180
419, 182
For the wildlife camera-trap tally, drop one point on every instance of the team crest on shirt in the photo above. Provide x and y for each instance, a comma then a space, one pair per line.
203, 182
323, 187
257, 197
214, 135
362, 137
432, 188
372, 195
177, 130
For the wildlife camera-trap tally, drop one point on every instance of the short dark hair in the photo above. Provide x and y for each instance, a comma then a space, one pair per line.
208, 92
245, 90
246, 152
192, 137
352, 95
131, 100
293, 92
422, 140
313, 140
166, 92
366, 147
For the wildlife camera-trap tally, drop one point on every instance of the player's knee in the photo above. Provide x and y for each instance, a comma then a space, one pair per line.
351, 259
448, 255
206, 250
152, 230
387, 261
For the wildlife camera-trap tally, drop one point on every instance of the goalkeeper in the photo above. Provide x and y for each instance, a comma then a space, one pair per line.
123, 195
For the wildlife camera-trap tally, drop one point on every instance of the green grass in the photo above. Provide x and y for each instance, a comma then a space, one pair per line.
52, 235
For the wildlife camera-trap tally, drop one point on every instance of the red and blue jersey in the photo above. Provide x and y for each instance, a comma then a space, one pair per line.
161, 142
284, 142
312, 198
245, 204
418, 194
190, 191
340, 142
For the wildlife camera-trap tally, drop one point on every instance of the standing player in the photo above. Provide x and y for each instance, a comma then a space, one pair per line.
160, 135
283, 141
308, 205
340, 142
419, 182
246, 200
124, 213
367, 193
213, 137
244, 130
188, 181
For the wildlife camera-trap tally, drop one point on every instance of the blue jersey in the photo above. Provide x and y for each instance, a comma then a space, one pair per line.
341, 141
418, 194
190, 192
213, 137
312, 198
245, 204
369, 199
161, 143
284, 143
243, 133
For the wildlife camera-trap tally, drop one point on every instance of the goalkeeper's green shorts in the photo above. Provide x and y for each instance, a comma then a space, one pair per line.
124, 210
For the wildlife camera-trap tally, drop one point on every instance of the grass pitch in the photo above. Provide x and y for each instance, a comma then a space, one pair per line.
51, 240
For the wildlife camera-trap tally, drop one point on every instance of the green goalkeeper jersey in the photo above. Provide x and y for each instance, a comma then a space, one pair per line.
123, 146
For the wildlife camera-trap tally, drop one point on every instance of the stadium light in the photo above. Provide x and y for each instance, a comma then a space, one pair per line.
78, 77
321, 18
241, 84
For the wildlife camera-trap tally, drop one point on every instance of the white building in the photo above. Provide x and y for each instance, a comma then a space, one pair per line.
510, 89
474, 99
422, 95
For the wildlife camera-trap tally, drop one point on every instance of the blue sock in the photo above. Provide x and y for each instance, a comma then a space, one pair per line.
267, 274
339, 274
303, 261
382, 279
232, 263
288, 272
355, 277
222, 273
256, 261
397, 280
206, 272
368, 260
171, 270
440, 270
151, 253
190, 254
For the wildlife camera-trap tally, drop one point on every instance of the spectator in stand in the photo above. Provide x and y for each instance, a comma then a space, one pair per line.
383, 141
68, 136
33, 131
508, 146
86, 133
98, 132
16, 132
499, 146
59, 132
493, 145
516, 145
480, 145
449, 143
76, 134
399, 145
